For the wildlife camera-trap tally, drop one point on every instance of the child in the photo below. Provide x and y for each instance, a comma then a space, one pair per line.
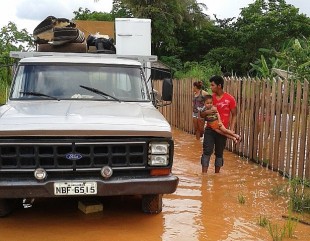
214, 121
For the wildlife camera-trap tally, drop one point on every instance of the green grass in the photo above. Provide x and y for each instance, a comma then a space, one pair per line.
298, 192
276, 232
241, 198
262, 221
265, 162
279, 190
290, 227
300, 195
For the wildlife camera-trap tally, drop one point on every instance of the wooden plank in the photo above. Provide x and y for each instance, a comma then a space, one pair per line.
232, 91
257, 101
296, 129
251, 119
181, 102
261, 120
186, 113
188, 109
239, 113
303, 129
243, 119
271, 127
284, 126
177, 101
277, 123
266, 157
307, 166
289, 160
247, 101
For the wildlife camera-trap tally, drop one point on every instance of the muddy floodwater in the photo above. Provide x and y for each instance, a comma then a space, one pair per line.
204, 207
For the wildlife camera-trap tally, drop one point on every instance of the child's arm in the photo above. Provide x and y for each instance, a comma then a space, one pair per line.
206, 112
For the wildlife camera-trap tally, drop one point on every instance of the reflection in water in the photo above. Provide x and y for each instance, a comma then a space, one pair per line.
206, 206
183, 209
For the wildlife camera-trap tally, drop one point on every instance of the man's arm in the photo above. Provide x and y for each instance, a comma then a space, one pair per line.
233, 118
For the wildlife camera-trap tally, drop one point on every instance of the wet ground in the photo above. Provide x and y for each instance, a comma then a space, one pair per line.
204, 207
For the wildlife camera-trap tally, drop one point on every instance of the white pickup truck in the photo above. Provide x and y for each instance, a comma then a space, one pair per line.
83, 125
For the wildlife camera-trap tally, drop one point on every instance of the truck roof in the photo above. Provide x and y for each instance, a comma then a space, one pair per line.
136, 60
82, 60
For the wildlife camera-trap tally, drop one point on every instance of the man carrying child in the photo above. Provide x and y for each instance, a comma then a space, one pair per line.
213, 139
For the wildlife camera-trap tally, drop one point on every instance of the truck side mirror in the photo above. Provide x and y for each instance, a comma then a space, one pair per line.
167, 90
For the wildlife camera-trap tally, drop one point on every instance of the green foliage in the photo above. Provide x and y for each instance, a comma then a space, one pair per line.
298, 191
86, 14
199, 71
268, 24
3, 92
11, 39
241, 198
174, 62
300, 195
261, 68
279, 190
290, 227
229, 58
120, 10
276, 232
262, 221
294, 57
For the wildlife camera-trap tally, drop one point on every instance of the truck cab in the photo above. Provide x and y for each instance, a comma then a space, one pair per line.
84, 124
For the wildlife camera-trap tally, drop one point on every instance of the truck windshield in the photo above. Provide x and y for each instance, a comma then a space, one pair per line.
108, 83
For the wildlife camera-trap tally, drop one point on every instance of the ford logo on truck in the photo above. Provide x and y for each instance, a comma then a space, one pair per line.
73, 156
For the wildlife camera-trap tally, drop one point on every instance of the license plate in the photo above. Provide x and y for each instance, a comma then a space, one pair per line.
75, 188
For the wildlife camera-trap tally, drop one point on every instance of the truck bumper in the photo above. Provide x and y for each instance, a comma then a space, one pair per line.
110, 187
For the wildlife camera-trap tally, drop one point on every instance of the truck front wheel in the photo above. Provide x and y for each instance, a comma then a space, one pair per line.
152, 203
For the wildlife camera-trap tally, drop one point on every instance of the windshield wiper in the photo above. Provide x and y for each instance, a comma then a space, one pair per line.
99, 92
38, 94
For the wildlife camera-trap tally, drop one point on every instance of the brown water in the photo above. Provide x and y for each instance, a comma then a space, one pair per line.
204, 207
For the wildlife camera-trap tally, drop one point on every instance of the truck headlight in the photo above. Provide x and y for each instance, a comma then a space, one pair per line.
158, 160
159, 148
158, 154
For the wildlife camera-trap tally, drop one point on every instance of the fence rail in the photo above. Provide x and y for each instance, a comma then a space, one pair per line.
273, 120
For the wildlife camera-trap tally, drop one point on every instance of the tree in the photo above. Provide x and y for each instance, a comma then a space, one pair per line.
86, 14
120, 10
268, 24
11, 39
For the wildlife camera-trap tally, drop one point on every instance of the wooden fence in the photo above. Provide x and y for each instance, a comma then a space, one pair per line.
273, 120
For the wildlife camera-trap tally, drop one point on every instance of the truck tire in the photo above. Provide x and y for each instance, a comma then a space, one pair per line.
5, 207
152, 203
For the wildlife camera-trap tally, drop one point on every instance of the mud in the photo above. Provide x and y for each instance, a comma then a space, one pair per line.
204, 207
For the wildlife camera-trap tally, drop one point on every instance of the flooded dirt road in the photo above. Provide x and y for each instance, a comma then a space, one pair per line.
204, 207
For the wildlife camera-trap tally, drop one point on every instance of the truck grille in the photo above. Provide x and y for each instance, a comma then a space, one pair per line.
72, 154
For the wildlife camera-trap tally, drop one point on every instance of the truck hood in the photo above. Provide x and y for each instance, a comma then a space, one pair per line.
81, 118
